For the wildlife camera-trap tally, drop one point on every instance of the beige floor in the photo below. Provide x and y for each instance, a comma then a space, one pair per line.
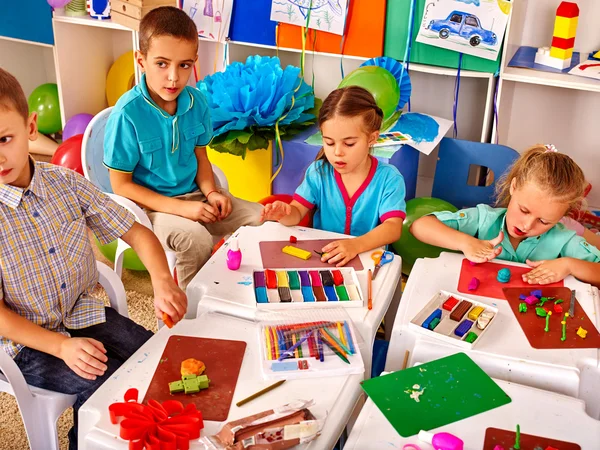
139, 298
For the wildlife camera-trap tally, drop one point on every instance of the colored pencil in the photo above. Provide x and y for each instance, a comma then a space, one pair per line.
275, 341
327, 338
342, 337
370, 285
312, 346
337, 341
349, 337
320, 347
336, 351
296, 352
290, 351
268, 342
259, 393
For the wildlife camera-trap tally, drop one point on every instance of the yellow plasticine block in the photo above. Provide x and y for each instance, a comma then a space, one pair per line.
561, 53
582, 333
297, 252
565, 28
282, 279
475, 312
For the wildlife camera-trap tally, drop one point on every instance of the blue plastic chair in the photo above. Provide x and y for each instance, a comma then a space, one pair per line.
452, 171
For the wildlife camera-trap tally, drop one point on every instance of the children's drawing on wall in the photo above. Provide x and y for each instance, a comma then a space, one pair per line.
212, 17
473, 27
325, 15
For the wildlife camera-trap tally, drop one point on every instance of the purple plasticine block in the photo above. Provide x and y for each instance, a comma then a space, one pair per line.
537, 293
304, 278
522, 297
473, 284
531, 300
259, 279
464, 326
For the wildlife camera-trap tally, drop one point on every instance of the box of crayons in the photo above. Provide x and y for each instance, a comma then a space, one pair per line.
321, 288
454, 319
305, 348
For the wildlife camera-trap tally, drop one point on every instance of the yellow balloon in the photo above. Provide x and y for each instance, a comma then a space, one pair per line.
120, 78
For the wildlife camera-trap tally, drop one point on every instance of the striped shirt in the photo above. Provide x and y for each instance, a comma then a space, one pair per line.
47, 265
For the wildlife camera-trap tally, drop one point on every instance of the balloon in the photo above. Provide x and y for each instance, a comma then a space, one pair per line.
58, 3
44, 101
380, 83
131, 260
76, 125
305, 222
408, 246
68, 154
120, 78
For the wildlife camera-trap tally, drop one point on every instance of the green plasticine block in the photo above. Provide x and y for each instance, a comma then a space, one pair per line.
434, 323
191, 386
203, 382
176, 386
342, 293
471, 337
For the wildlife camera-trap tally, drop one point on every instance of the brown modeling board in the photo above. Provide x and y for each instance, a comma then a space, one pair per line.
506, 440
533, 325
223, 360
273, 257
489, 286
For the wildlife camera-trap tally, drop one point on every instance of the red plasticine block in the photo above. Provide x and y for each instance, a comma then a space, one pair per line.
450, 304
338, 278
293, 239
271, 279
558, 309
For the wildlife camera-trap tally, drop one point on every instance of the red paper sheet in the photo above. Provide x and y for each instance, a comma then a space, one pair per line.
488, 285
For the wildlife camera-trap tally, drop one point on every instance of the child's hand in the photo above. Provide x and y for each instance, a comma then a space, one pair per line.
221, 203
340, 252
275, 211
169, 299
546, 272
479, 251
84, 356
199, 211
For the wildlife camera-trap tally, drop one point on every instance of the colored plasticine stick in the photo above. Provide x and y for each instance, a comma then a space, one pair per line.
343, 347
342, 337
268, 342
320, 348
327, 338
336, 351
349, 337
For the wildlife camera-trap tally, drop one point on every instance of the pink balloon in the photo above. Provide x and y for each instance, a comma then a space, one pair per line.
58, 3
76, 125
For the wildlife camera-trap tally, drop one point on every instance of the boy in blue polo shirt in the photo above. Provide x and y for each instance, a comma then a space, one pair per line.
155, 147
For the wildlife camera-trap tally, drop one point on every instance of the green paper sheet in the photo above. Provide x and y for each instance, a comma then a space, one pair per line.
453, 388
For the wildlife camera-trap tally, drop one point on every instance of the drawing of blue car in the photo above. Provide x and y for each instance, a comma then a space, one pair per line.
465, 25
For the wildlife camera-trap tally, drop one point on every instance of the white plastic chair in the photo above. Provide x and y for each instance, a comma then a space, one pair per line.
41, 408
92, 155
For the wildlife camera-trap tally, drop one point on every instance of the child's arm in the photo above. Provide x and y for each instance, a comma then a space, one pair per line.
552, 271
205, 179
288, 214
431, 230
592, 238
85, 356
168, 297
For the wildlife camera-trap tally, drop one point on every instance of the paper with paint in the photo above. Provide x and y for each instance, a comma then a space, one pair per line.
212, 17
325, 15
472, 27
588, 69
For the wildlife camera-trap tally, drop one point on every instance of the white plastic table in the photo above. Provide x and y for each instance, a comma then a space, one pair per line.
504, 352
335, 397
217, 288
538, 412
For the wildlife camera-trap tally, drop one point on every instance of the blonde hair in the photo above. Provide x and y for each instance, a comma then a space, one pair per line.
553, 172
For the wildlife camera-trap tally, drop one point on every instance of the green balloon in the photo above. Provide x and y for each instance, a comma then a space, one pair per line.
380, 83
131, 260
44, 101
408, 246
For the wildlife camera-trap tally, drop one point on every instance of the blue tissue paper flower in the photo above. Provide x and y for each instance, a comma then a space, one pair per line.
247, 100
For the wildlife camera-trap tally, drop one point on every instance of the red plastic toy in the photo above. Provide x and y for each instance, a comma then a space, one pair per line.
293, 239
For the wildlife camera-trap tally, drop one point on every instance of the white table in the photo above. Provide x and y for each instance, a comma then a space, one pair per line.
335, 397
539, 413
217, 288
504, 352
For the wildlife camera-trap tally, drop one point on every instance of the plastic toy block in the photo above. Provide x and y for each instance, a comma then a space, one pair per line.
326, 278
531, 300
437, 314
537, 293
450, 304
460, 310
464, 326
471, 337
293, 239
297, 252
284, 294
330, 293
473, 284
474, 313
595, 55
560, 53
338, 278
582, 333
503, 275
565, 28
294, 279
522, 307
567, 9
188, 377
558, 309
434, 323
315, 278
176, 386
307, 294
282, 279
203, 382
304, 278
191, 386
342, 293
543, 57
271, 279
484, 319
259, 279
565, 44
353, 292
261, 295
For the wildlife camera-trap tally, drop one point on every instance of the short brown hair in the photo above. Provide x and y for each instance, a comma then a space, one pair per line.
12, 95
553, 172
166, 21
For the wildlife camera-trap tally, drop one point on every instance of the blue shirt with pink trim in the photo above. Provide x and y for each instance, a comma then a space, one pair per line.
380, 197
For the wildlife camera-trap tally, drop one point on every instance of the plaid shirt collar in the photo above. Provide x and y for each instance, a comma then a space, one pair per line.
12, 195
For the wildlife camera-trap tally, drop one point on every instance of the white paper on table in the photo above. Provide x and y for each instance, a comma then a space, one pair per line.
325, 15
588, 69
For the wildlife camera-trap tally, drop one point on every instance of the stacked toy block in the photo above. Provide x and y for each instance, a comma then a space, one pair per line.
563, 39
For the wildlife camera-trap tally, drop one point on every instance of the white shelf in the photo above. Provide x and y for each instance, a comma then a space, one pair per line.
561, 80
23, 41
89, 21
